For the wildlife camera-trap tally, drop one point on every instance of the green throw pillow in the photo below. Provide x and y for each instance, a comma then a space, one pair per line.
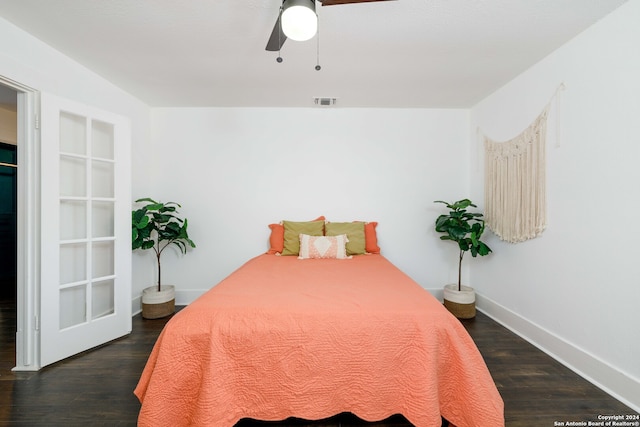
293, 230
354, 232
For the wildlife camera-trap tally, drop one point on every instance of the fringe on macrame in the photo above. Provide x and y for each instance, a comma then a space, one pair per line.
515, 183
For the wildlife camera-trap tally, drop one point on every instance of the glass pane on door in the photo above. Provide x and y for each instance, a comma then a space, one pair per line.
102, 219
73, 219
73, 176
73, 308
102, 179
102, 259
73, 262
73, 133
102, 299
102, 140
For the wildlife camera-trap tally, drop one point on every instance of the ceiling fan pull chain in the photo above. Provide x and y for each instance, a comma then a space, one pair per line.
279, 58
318, 67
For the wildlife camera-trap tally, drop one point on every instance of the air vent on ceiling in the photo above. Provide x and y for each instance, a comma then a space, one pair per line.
324, 101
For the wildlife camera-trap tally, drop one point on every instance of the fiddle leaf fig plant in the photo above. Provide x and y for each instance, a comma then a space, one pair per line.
157, 225
463, 227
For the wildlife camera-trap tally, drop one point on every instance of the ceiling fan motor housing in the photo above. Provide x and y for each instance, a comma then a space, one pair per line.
306, 27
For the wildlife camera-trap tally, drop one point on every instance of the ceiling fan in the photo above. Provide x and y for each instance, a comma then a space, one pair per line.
278, 37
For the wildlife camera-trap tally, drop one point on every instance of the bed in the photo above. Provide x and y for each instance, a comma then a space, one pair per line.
311, 338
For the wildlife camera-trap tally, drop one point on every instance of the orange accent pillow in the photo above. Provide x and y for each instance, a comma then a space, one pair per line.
276, 239
371, 238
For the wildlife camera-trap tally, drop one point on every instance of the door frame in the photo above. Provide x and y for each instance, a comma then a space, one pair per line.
28, 227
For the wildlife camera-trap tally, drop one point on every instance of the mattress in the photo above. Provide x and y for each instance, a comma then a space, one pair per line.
284, 337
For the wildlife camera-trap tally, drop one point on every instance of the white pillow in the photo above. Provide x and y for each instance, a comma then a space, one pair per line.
323, 247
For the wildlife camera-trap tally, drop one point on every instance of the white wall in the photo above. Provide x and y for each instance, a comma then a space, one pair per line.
27, 60
574, 291
237, 170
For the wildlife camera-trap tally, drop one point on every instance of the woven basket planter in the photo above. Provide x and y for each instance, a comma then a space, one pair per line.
157, 304
461, 303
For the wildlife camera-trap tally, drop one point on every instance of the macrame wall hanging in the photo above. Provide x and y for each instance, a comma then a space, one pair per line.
515, 182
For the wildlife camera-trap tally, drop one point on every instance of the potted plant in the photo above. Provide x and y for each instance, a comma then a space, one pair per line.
465, 228
156, 226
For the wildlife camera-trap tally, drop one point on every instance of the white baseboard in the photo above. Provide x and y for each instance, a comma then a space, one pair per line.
187, 296
598, 372
136, 305
438, 293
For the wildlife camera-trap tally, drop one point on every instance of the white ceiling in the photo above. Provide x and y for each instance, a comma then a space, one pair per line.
404, 53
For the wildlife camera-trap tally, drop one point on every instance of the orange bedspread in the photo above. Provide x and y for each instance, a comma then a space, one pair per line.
284, 337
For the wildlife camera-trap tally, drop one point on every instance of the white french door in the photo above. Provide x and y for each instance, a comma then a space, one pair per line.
85, 286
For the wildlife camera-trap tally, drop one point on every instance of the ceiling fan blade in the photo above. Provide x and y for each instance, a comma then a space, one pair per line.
333, 2
277, 37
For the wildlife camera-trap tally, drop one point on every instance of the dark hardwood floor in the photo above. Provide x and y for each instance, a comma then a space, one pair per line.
95, 388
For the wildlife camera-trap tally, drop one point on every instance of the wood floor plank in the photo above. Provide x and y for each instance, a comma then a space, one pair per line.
96, 387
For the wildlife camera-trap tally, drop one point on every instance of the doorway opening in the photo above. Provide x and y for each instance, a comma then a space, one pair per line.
19, 105
8, 226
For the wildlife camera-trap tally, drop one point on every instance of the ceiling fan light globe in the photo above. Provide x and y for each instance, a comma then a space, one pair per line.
299, 19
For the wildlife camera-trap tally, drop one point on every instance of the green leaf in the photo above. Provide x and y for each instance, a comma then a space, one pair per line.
162, 218
483, 249
137, 215
463, 204
154, 207
167, 209
458, 232
146, 199
173, 227
144, 233
446, 203
142, 222
181, 245
444, 223
474, 239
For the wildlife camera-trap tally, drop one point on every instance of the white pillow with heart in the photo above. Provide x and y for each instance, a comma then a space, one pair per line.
323, 247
